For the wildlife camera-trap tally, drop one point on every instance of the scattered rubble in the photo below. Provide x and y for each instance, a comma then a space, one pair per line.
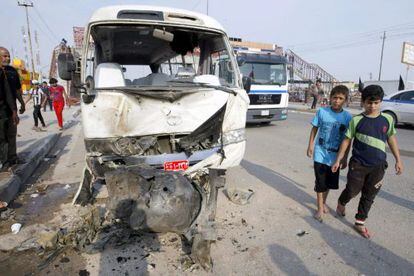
302, 233
3, 205
84, 272
238, 196
42, 188
15, 228
8, 213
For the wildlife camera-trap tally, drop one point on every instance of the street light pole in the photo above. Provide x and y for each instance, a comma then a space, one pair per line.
26, 6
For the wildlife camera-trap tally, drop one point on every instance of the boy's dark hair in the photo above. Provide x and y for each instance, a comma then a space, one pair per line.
44, 82
340, 89
372, 93
318, 81
53, 80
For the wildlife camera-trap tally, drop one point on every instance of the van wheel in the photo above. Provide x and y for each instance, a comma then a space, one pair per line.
394, 117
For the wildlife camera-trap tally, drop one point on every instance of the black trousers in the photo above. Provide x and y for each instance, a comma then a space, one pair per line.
37, 115
368, 181
315, 100
11, 133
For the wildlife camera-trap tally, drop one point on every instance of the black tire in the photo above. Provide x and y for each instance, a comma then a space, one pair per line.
394, 117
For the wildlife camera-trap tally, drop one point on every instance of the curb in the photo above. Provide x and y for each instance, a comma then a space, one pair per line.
310, 111
10, 188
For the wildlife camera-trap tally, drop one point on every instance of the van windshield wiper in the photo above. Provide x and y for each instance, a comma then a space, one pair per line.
201, 84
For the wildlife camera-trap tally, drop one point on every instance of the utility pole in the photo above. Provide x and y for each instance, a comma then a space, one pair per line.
382, 54
26, 6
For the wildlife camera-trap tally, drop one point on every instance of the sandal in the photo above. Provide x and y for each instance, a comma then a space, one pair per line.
318, 217
340, 210
325, 209
362, 230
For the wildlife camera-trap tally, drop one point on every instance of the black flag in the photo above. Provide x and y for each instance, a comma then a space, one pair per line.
360, 85
401, 85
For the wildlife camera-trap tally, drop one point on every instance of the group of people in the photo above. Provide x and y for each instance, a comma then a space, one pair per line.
10, 92
333, 130
53, 95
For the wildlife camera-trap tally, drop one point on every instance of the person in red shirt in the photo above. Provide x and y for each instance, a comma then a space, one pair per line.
58, 96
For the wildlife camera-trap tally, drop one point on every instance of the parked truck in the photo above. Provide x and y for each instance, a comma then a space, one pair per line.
163, 116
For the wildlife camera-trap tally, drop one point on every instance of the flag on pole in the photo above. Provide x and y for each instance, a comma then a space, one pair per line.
360, 85
401, 85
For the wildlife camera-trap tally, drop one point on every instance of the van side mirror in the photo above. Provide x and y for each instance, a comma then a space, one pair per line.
66, 66
247, 83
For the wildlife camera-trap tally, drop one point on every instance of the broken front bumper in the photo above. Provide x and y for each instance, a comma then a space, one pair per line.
228, 153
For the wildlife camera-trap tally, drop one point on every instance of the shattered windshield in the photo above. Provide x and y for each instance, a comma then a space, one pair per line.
139, 56
264, 73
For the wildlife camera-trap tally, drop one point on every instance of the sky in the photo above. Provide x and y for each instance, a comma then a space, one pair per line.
341, 36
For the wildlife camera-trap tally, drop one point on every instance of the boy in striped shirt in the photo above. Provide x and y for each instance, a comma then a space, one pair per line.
39, 99
370, 130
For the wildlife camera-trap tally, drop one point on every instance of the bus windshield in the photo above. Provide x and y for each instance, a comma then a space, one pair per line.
265, 73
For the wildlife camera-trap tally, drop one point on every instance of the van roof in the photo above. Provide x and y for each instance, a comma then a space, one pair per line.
155, 14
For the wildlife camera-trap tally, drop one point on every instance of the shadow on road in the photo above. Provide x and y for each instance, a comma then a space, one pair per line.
287, 260
390, 197
365, 256
396, 200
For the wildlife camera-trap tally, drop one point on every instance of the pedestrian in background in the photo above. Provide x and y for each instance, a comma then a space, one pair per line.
14, 84
370, 130
328, 127
315, 91
39, 100
7, 106
45, 89
59, 96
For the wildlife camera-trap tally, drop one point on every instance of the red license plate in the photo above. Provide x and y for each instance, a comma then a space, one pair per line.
179, 165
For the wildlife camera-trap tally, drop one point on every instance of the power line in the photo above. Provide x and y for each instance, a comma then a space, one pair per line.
47, 34
47, 26
350, 43
404, 26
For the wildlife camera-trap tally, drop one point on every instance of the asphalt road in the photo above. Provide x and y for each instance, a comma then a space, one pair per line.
276, 166
260, 238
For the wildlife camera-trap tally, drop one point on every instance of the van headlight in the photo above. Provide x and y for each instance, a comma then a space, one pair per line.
234, 136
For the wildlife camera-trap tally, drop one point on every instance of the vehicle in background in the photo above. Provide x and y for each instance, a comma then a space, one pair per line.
163, 115
265, 76
389, 86
400, 105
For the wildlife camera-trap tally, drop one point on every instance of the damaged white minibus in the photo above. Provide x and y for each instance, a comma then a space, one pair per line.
163, 115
